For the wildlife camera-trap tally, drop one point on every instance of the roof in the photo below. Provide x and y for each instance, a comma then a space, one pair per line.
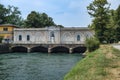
6, 25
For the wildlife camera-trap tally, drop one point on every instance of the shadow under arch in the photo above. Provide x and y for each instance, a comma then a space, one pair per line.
19, 49
79, 49
39, 49
60, 49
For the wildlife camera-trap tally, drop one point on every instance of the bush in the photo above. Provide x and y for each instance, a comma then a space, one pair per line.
92, 44
1, 38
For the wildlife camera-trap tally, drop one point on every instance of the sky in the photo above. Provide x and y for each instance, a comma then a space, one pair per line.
69, 13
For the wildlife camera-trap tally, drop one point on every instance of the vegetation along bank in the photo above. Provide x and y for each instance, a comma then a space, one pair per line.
102, 64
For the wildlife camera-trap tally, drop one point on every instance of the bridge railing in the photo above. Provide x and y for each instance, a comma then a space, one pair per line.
49, 42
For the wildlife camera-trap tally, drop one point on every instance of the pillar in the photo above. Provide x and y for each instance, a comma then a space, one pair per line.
49, 50
28, 50
70, 50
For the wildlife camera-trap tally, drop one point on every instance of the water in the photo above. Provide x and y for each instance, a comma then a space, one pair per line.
36, 66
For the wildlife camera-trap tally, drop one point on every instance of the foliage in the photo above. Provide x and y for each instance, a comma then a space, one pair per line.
38, 20
117, 23
10, 15
3, 13
1, 38
61, 26
92, 44
99, 10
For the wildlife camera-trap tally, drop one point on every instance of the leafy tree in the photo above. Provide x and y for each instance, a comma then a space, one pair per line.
13, 16
10, 15
3, 13
38, 20
99, 10
117, 23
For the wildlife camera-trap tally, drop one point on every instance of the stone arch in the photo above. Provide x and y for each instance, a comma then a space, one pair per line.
19, 49
67, 37
79, 49
39, 49
60, 49
88, 34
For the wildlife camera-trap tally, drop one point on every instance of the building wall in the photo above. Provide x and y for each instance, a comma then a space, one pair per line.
52, 35
10, 28
8, 33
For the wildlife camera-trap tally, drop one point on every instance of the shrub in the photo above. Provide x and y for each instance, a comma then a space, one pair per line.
92, 44
1, 38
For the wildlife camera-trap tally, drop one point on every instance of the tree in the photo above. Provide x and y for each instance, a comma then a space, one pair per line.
117, 23
13, 16
10, 15
38, 20
3, 13
99, 10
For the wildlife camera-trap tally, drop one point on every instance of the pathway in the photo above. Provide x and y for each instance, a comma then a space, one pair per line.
117, 46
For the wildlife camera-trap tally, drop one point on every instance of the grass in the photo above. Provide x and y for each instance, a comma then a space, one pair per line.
102, 64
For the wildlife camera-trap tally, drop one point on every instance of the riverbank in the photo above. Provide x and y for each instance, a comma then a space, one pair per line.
102, 64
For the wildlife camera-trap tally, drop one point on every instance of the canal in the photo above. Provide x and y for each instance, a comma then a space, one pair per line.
36, 66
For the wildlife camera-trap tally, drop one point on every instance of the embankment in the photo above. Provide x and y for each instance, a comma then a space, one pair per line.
4, 48
102, 64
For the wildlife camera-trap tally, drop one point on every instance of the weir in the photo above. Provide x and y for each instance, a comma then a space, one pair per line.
51, 39
48, 48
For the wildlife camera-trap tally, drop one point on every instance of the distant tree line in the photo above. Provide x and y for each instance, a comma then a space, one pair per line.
106, 21
12, 15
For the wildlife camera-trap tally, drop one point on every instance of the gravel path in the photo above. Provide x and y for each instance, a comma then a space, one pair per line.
117, 46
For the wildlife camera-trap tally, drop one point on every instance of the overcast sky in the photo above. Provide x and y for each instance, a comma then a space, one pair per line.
69, 13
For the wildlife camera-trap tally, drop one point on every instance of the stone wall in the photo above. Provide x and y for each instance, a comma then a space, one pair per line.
4, 48
52, 35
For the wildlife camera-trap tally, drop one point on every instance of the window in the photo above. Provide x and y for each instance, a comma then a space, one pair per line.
5, 29
20, 38
52, 37
52, 34
28, 37
78, 37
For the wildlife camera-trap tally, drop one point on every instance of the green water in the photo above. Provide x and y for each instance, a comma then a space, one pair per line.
36, 66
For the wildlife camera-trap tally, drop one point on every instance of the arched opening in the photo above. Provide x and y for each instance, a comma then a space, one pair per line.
78, 37
19, 49
60, 49
20, 37
39, 49
28, 37
52, 37
79, 49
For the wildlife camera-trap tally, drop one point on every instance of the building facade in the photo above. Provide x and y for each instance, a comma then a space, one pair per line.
6, 32
52, 35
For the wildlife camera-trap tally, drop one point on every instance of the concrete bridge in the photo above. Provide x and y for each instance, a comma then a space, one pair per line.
48, 48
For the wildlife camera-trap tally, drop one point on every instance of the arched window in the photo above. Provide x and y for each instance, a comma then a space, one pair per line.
28, 37
52, 34
52, 37
78, 37
20, 37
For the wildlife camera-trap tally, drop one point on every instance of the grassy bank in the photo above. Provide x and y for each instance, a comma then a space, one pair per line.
102, 64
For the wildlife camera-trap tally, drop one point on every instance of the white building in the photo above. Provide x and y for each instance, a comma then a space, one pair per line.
52, 35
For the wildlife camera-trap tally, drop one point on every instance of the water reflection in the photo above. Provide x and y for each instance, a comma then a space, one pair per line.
36, 66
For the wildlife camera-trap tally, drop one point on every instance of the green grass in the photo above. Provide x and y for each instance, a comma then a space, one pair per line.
95, 66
